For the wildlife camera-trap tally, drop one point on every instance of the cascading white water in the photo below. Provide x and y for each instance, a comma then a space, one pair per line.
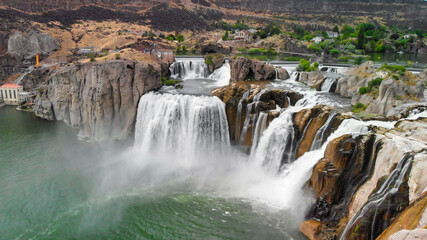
320, 134
178, 123
327, 85
388, 188
189, 69
222, 75
260, 126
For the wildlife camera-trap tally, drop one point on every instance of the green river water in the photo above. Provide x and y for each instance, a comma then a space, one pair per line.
53, 186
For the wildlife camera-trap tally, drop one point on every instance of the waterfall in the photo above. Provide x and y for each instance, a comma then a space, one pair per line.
260, 126
183, 125
387, 189
222, 75
327, 85
189, 69
320, 136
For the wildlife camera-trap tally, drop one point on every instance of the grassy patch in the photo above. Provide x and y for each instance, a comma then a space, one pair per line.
292, 59
359, 107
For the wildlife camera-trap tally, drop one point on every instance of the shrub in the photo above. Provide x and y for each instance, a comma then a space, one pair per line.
305, 65
358, 60
208, 60
171, 82
396, 77
359, 107
364, 90
242, 49
117, 56
393, 68
334, 51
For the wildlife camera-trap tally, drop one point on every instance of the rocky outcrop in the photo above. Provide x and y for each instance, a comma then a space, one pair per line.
393, 93
313, 79
31, 42
309, 121
366, 186
243, 104
282, 74
355, 78
243, 69
393, 89
212, 48
417, 47
214, 61
99, 98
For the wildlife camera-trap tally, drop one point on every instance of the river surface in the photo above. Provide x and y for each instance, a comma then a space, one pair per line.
53, 186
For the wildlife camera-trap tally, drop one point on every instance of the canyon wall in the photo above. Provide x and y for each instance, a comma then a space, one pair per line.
100, 99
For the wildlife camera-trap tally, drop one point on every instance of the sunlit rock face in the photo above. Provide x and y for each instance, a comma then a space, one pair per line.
367, 185
99, 98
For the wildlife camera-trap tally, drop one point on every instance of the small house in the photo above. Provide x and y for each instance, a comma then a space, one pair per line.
332, 34
408, 36
317, 39
10, 93
243, 35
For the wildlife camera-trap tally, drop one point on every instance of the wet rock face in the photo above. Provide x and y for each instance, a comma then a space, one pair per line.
243, 69
241, 95
29, 43
99, 98
364, 184
308, 122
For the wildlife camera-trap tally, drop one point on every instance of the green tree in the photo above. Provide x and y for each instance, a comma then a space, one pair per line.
361, 38
180, 38
346, 30
336, 29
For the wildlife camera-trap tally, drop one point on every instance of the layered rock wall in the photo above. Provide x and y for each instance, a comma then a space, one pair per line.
99, 98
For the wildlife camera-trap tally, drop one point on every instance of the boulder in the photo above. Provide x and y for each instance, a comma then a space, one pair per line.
99, 98
243, 69
214, 61
282, 74
313, 79
30, 43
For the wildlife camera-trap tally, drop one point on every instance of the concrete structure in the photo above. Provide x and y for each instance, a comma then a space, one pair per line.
10, 93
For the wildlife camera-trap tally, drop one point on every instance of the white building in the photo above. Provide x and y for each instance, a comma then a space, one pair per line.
10, 93
317, 39
332, 34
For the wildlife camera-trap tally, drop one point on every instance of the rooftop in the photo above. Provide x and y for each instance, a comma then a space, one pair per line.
10, 85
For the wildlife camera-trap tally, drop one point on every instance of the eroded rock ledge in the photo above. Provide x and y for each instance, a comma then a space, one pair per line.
371, 186
99, 98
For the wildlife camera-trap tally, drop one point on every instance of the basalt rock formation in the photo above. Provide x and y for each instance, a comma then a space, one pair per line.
366, 186
394, 89
243, 69
243, 104
99, 98
309, 121
31, 42
214, 61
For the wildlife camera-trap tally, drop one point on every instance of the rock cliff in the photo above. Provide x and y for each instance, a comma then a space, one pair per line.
243, 69
99, 98
31, 42
243, 104
366, 186
382, 90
